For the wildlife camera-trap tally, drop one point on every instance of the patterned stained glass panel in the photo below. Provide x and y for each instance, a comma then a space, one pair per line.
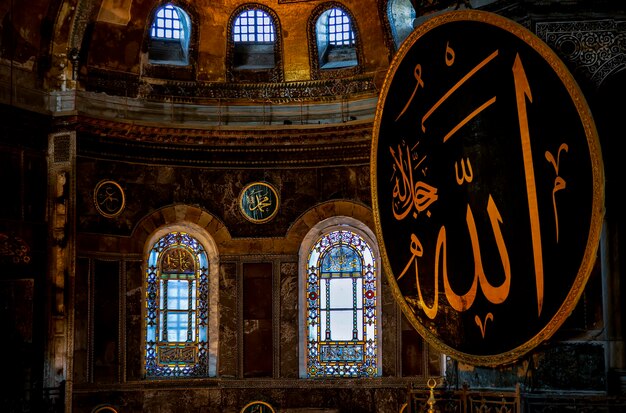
177, 308
341, 307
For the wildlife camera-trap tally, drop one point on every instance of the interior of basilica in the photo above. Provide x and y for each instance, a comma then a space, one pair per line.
246, 206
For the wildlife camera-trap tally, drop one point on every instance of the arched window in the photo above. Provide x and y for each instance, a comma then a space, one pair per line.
335, 39
169, 36
340, 302
253, 26
254, 37
180, 298
254, 45
401, 15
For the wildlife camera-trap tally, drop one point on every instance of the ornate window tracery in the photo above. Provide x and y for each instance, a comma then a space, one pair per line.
177, 307
341, 306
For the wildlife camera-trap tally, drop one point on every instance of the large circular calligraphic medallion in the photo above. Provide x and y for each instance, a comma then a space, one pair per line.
487, 186
109, 198
258, 202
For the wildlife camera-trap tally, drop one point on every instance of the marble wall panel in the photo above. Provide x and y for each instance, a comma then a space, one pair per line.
135, 323
228, 353
289, 342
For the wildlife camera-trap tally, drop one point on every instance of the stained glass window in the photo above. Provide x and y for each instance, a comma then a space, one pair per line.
341, 309
177, 311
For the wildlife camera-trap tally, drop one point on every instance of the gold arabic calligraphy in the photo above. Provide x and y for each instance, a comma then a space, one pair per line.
412, 194
108, 198
259, 200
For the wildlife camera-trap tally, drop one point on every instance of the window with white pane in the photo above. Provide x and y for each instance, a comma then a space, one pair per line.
167, 24
254, 39
178, 319
335, 38
254, 26
341, 306
170, 33
339, 28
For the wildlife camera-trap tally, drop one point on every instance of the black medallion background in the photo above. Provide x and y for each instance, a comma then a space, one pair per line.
259, 202
109, 198
495, 120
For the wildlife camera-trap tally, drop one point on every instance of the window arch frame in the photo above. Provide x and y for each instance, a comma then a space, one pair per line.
210, 305
171, 69
234, 50
322, 229
180, 24
258, 28
317, 44
184, 45
399, 29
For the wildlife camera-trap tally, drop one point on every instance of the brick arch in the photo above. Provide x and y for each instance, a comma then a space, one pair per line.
303, 224
175, 214
290, 244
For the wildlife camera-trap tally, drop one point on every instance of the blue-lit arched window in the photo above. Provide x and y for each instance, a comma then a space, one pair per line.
335, 39
339, 28
169, 36
254, 40
254, 26
341, 309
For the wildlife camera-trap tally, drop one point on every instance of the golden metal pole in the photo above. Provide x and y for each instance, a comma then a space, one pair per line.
431, 399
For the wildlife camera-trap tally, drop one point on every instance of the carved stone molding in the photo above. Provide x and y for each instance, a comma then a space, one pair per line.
14, 248
593, 49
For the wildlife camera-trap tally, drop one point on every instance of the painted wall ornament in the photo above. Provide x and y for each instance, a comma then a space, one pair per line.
259, 202
109, 198
487, 186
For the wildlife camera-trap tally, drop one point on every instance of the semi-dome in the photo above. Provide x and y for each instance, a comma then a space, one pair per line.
206, 63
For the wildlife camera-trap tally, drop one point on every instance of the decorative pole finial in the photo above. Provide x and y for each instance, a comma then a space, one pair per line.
431, 399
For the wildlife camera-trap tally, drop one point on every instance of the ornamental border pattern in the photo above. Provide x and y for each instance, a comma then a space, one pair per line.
594, 49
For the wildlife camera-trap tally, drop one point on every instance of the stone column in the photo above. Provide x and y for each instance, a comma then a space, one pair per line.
60, 276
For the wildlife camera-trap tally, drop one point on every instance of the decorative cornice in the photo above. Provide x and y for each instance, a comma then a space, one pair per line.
315, 90
221, 383
345, 144
198, 92
214, 137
